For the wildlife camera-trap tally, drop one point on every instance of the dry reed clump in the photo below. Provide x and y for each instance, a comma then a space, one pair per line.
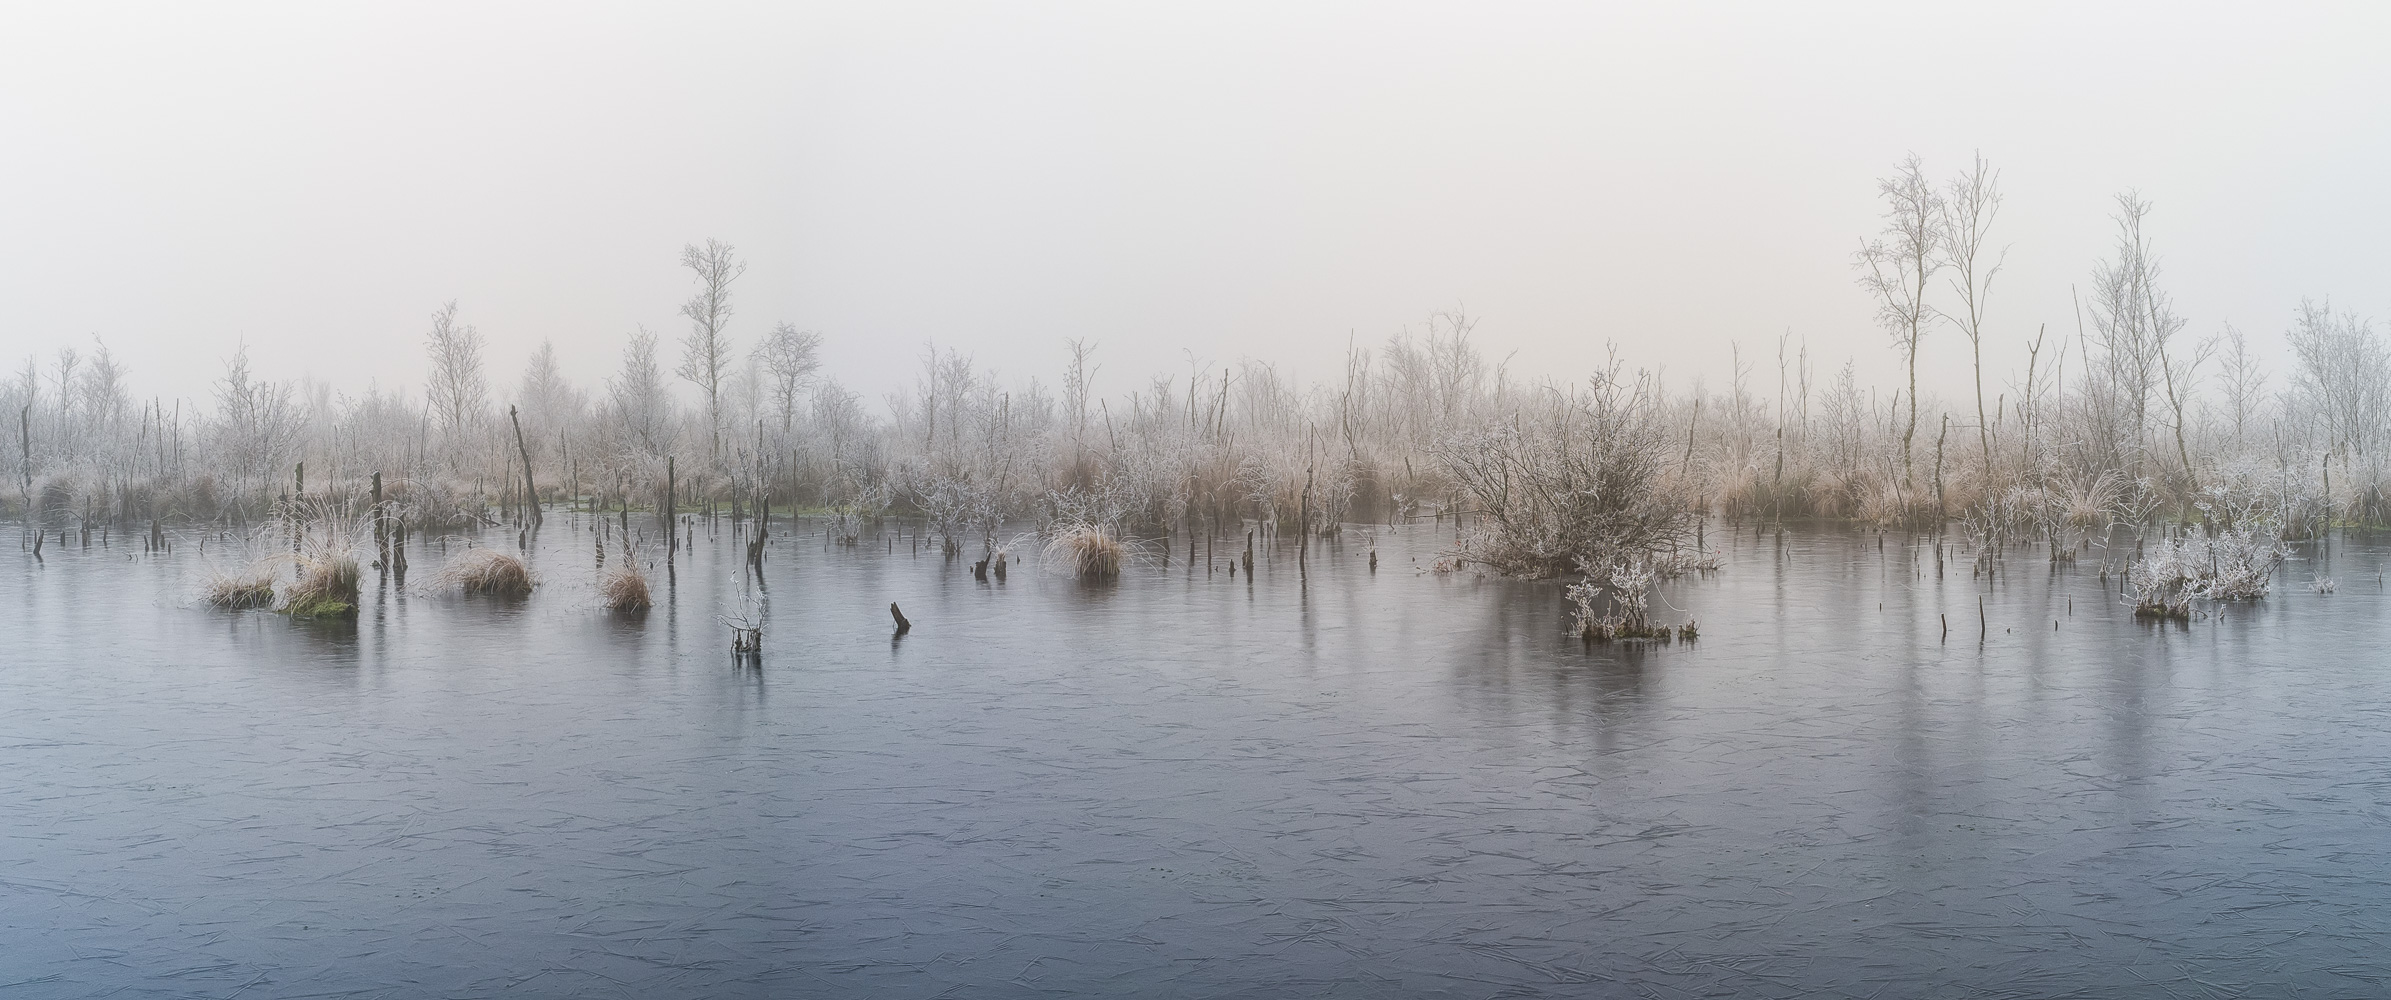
1086, 551
327, 588
324, 536
487, 571
250, 587
624, 589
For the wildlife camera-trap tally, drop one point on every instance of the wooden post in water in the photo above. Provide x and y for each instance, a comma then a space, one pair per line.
531, 491
381, 534
25, 440
1303, 526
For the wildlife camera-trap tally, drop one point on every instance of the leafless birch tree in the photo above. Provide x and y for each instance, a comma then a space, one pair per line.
790, 357
1896, 269
637, 393
2135, 323
458, 391
706, 350
1969, 206
2245, 383
2343, 375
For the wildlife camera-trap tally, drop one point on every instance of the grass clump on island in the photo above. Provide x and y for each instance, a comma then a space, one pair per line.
327, 537
327, 588
1086, 551
323, 538
252, 586
486, 571
623, 588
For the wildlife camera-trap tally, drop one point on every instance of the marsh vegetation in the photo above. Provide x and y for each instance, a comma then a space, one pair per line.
2132, 417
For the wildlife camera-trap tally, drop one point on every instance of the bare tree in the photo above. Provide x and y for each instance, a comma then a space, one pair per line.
2135, 323
2030, 399
706, 349
256, 423
790, 358
549, 400
459, 392
105, 396
1077, 377
1453, 362
2245, 382
637, 392
2341, 374
1896, 268
65, 386
1970, 203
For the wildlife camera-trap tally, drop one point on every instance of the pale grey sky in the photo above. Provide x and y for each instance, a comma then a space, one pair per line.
1236, 179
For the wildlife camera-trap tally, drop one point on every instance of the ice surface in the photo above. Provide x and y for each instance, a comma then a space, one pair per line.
1179, 784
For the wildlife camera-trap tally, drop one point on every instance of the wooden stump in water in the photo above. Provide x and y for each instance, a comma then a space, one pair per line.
904, 625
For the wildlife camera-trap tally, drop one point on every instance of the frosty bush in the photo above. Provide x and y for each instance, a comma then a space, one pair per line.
1578, 481
2229, 564
1628, 586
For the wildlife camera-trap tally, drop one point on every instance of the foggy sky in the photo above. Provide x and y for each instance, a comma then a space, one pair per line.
1260, 180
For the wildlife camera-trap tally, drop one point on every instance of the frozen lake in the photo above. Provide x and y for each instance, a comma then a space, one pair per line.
1390, 783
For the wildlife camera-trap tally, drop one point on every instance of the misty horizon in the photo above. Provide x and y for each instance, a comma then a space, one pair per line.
896, 180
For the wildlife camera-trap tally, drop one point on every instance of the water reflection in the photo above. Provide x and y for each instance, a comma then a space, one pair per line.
1184, 782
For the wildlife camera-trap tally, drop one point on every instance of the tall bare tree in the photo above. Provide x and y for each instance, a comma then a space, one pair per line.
1896, 269
256, 424
105, 394
790, 357
66, 385
706, 349
2343, 375
1970, 202
2135, 323
2245, 383
1077, 377
641, 405
459, 391
550, 403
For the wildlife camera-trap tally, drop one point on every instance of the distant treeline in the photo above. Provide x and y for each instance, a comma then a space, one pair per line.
2125, 418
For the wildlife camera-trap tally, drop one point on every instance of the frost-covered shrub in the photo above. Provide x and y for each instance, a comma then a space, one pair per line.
2233, 564
1628, 586
1580, 481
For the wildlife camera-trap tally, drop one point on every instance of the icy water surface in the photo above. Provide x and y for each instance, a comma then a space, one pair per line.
1374, 784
